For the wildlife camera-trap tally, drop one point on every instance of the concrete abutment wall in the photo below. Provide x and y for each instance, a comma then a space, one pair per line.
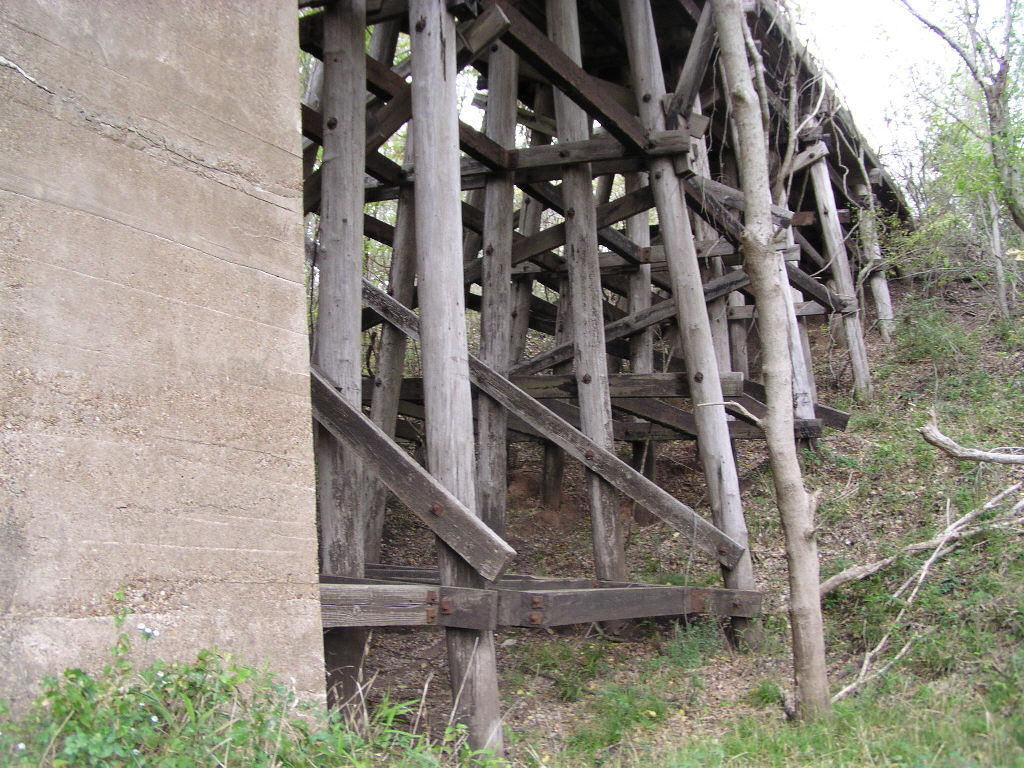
154, 360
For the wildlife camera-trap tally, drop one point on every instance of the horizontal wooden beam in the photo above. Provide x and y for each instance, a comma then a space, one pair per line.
565, 386
830, 417
428, 499
369, 603
802, 309
558, 607
664, 143
524, 602
633, 323
620, 475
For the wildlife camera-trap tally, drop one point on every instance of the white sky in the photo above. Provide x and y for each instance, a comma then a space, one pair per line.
870, 47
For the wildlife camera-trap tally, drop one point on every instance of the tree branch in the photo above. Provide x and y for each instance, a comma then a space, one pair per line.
957, 48
930, 432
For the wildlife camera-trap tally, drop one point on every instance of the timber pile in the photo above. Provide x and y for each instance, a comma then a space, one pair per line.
649, 334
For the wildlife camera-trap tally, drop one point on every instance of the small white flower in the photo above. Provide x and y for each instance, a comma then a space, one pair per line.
155, 632
154, 718
159, 674
21, 746
141, 627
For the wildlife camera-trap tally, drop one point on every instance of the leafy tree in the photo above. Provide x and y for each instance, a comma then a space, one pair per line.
992, 50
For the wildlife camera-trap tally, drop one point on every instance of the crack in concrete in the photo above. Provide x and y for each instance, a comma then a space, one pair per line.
11, 65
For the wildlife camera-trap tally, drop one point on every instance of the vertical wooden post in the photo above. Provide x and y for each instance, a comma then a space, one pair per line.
496, 310
835, 247
803, 380
718, 314
687, 291
641, 345
387, 381
573, 124
449, 419
738, 359
873, 260
553, 469
337, 346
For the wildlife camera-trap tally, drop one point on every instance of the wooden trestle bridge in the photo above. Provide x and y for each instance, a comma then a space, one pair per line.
577, 96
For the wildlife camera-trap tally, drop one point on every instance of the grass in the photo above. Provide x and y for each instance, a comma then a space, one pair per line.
957, 697
208, 712
955, 700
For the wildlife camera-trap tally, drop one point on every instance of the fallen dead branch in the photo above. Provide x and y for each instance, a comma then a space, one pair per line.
930, 432
945, 542
957, 531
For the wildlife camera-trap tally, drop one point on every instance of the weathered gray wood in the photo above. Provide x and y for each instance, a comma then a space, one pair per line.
387, 380
557, 607
496, 310
548, 239
802, 309
692, 320
733, 198
694, 66
810, 155
596, 148
873, 261
641, 344
564, 386
366, 603
449, 423
830, 417
591, 365
337, 340
675, 418
633, 323
554, 61
425, 496
593, 456
835, 246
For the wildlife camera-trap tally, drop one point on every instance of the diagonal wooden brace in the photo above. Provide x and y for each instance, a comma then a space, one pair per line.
430, 501
703, 534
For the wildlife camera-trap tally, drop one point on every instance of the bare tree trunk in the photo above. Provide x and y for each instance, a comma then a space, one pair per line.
996, 243
795, 504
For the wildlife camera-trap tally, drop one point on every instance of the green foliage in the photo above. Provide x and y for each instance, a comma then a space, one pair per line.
616, 709
571, 666
208, 712
928, 333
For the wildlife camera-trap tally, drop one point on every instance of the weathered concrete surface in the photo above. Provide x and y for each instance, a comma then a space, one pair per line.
153, 361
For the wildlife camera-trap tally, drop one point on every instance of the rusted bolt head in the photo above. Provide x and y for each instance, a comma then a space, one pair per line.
536, 617
563, 153
447, 607
436, 509
657, 174
646, 98
421, 24
698, 377
570, 212
589, 455
586, 378
332, 123
537, 601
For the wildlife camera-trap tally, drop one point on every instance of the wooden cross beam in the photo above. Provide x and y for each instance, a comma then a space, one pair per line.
635, 322
605, 463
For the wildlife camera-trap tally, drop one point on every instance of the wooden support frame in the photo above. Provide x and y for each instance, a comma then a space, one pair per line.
595, 457
429, 500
